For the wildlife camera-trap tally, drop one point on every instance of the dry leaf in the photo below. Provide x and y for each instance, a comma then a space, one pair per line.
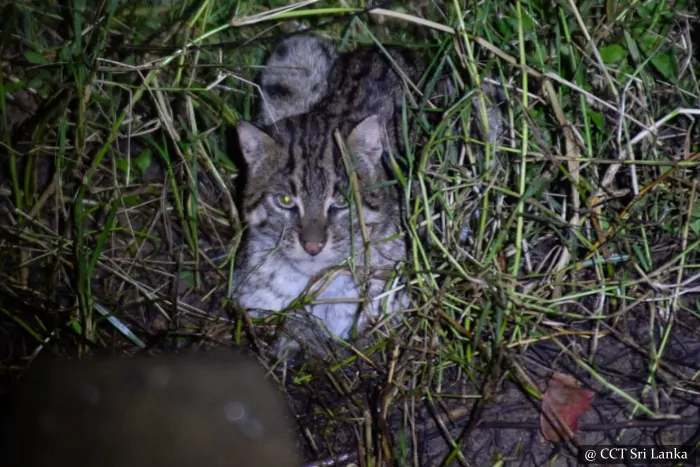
563, 403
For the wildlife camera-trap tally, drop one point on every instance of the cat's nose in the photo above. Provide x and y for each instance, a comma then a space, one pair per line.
312, 248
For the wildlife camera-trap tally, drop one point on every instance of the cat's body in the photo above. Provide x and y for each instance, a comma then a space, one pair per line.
300, 224
295, 78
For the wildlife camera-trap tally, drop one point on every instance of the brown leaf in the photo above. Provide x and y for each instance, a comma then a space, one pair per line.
563, 403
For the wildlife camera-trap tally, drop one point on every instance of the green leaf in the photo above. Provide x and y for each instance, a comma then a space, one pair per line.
528, 24
505, 27
122, 164
665, 64
187, 276
613, 53
645, 11
143, 162
597, 119
649, 42
132, 200
35, 57
695, 227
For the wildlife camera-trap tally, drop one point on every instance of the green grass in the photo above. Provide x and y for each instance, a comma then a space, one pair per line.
120, 224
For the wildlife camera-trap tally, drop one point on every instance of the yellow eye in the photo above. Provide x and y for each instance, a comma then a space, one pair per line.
284, 201
340, 202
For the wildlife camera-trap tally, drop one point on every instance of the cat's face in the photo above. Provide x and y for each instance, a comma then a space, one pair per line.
298, 200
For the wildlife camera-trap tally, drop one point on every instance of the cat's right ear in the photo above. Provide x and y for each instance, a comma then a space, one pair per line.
255, 144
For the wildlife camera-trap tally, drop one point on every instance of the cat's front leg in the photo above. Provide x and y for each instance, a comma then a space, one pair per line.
384, 307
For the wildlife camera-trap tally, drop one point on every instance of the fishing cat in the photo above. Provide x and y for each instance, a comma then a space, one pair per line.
305, 215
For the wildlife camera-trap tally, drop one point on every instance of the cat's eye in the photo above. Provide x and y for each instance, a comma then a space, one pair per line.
284, 201
340, 202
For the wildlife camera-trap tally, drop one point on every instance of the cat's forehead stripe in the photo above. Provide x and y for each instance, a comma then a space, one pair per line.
291, 160
337, 157
315, 178
294, 185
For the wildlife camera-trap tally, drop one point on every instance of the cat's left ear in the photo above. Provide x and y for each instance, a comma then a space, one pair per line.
365, 142
256, 145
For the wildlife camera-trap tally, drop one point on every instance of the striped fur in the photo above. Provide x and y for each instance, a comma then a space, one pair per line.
297, 160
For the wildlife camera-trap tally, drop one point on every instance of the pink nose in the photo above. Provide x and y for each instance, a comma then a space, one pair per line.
312, 248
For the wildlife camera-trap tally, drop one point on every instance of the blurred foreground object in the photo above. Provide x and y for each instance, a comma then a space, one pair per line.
204, 410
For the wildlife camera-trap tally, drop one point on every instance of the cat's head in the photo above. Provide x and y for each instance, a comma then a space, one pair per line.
298, 197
